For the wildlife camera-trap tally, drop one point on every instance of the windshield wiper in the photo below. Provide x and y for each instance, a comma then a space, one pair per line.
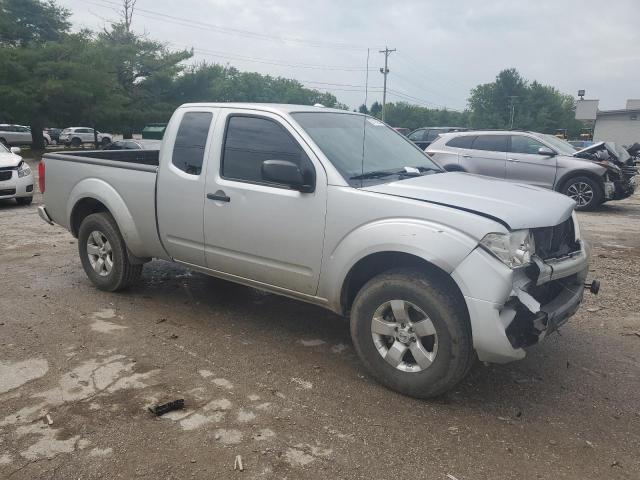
385, 173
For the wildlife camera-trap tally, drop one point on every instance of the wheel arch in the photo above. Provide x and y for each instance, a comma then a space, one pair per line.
562, 181
93, 195
377, 263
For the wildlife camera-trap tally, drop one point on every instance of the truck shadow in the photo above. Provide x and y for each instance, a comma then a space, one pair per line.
285, 325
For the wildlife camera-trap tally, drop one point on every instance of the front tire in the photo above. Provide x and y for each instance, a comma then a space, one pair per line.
411, 333
585, 191
103, 253
76, 142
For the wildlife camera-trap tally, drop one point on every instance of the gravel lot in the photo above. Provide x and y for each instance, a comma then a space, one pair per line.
278, 382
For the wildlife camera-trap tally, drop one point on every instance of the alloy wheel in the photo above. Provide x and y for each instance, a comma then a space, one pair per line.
100, 253
404, 336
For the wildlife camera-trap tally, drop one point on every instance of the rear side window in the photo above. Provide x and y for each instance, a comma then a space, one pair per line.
417, 135
464, 141
432, 135
249, 141
493, 143
524, 144
188, 150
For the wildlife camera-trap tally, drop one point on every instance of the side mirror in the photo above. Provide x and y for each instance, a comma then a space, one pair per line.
546, 151
15, 150
286, 173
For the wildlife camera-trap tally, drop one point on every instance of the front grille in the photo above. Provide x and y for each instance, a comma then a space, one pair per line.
7, 191
555, 242
629, 171
6, 175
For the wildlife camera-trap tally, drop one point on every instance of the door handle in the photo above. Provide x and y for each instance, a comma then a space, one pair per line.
466, 156
218, 197
513, 160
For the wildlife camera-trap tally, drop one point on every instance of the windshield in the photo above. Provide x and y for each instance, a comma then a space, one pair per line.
340, 137
561, 146
621, 152
3, 148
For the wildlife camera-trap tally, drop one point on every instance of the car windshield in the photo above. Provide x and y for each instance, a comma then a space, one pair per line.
561, 146
361, 146
3, 148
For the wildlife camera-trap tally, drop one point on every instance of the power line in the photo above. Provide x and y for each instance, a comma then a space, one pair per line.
228, 30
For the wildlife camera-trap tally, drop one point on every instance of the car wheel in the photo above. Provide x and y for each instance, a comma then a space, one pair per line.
24, 200
105, 141
76, 142
103, 253
585, 191
411, 333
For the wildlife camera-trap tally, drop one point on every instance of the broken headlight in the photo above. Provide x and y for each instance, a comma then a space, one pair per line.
514, 249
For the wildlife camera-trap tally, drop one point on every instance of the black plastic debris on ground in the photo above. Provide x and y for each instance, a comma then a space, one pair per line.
159, 410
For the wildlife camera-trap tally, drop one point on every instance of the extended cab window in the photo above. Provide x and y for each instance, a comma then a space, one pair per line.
464, 141
432, 135
493, 143
524, 144
188, 149
249, 141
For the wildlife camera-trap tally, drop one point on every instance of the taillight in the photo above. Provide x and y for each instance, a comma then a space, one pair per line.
41, 175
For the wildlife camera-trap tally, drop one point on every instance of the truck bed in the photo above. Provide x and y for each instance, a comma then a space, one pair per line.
123, 180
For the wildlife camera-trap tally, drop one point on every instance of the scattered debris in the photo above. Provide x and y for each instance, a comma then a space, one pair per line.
590, 444
451, 477
237, 464
160, 320
49, 419
159, 410
593, 309
616, 463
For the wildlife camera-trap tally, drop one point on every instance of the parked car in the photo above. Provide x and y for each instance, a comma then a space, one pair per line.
77, 136
432, 267
402, 131
16, 178
423, 137
54, 134
542, 160
134, 145
18, 135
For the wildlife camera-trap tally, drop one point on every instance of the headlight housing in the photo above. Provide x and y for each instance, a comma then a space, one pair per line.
23, 170
514, 249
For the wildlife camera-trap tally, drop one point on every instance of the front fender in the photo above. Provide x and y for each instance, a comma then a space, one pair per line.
109, 196
437, 244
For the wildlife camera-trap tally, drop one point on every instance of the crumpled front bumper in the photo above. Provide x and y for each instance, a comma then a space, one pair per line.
513, 309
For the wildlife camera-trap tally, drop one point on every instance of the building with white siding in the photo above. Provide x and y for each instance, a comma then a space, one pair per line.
619, 126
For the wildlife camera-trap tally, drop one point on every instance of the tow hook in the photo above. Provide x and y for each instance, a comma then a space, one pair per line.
594, 286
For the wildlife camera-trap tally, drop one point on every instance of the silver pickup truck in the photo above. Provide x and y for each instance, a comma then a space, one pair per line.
334, 208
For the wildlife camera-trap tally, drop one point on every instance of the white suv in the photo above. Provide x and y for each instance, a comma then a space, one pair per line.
76, 136
18, 135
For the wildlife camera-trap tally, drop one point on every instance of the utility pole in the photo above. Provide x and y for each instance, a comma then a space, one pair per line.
385, 72
513, 108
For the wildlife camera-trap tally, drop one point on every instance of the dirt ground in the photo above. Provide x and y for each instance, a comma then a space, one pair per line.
278, 382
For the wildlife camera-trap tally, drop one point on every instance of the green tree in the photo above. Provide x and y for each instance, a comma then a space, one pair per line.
23, 22
535, 106
376, 109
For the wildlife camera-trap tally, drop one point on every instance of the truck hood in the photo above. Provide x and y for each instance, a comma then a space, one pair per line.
9, 160
516, 206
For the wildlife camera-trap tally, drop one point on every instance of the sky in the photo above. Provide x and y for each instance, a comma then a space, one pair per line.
443, 48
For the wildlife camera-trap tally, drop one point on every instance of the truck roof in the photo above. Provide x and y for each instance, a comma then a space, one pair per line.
268, 107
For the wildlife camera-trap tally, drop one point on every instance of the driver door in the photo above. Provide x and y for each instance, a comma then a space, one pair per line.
526, 165
254, 229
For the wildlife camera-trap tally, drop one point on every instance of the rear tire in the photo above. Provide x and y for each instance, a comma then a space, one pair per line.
105, 141
447, 352
76, 142
585, 191
104, 256
24, 200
